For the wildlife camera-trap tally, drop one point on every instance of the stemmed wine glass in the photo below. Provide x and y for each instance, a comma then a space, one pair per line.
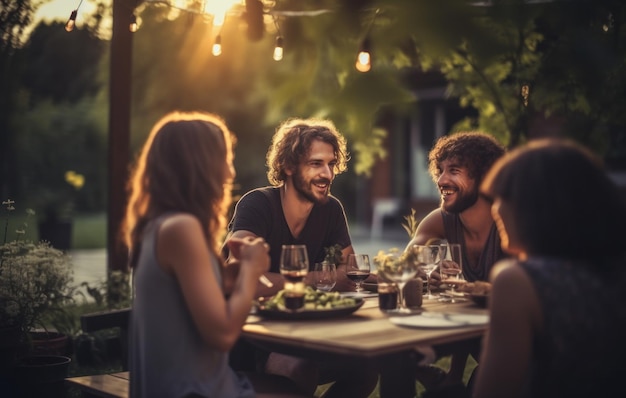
429, 258
325, 276
399, 267
451, 271
294, 266
358, 269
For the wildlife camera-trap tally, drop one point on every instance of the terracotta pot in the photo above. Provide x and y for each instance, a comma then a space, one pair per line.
49, 343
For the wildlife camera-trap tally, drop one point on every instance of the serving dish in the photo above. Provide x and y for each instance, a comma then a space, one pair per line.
306, 314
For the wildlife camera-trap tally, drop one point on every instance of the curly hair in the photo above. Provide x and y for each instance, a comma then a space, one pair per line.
473, 150
292, 142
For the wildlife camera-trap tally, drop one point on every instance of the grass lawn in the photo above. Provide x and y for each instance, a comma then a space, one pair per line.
88, 230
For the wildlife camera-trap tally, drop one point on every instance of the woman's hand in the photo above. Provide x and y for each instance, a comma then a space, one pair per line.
252, 253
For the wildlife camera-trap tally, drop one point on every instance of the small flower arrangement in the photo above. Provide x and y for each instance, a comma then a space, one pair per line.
333, 254
392, 260
35, 279
410, 224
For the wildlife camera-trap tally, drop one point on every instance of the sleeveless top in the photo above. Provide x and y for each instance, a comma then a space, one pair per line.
168, 357
260, 211
583, 345
492, 251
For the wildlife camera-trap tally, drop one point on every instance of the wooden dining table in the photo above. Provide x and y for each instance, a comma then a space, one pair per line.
368, 337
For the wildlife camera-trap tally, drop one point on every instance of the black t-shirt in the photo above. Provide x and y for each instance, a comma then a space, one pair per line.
260, 212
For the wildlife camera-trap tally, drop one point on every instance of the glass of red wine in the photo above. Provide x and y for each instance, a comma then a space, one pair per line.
358, 269
294, 266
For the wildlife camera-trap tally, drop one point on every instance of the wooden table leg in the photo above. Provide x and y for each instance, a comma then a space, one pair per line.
397, 375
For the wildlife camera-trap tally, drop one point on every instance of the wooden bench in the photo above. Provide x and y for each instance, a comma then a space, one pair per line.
113, 385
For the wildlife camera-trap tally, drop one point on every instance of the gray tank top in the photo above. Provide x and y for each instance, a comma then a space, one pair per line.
492, 251
168, 358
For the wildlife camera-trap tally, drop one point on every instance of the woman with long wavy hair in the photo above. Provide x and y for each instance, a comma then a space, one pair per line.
185, 316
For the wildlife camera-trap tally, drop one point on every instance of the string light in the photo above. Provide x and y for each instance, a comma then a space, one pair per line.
71, 23
278, 50
133, 23
364, 58
217, 46
69, 26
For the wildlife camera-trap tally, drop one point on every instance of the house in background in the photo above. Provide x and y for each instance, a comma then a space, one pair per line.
401, 181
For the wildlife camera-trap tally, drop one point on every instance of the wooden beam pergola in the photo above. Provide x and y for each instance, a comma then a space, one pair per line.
120, 87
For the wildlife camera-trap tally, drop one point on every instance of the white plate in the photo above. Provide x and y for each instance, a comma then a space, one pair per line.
439, 320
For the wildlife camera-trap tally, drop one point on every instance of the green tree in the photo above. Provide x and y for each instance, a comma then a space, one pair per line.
15, 16
61, 120
567, 57
61, 66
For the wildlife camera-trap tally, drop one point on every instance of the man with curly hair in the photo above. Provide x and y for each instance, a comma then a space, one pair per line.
303, 160
298, 208
457, 164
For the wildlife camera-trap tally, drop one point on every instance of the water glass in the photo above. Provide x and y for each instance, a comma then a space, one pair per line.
451, 270
324, 276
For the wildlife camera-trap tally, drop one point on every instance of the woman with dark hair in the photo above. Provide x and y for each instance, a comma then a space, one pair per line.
182, 325
557, 310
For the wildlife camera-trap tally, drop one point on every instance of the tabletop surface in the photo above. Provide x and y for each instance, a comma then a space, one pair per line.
367, 332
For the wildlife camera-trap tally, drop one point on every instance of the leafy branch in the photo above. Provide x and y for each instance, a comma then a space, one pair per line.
410, 223
333, 254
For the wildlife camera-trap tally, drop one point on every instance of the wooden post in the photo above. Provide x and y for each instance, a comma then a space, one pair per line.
119, 130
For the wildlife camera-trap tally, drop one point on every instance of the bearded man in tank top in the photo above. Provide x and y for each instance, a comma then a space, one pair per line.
457, 163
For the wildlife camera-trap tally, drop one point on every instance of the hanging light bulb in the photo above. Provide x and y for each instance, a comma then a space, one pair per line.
217, 46
364, 59
69, 26
133, 23
278, 50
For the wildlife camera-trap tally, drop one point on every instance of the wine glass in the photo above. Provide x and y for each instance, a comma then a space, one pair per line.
429, 258
358, 269
399, 267
324, 276
451, 270
294, 266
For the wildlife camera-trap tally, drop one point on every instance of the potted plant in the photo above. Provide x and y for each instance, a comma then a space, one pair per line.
333, 255
35, 284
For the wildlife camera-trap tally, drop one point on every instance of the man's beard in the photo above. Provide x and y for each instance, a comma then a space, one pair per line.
303, 188
463, 201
